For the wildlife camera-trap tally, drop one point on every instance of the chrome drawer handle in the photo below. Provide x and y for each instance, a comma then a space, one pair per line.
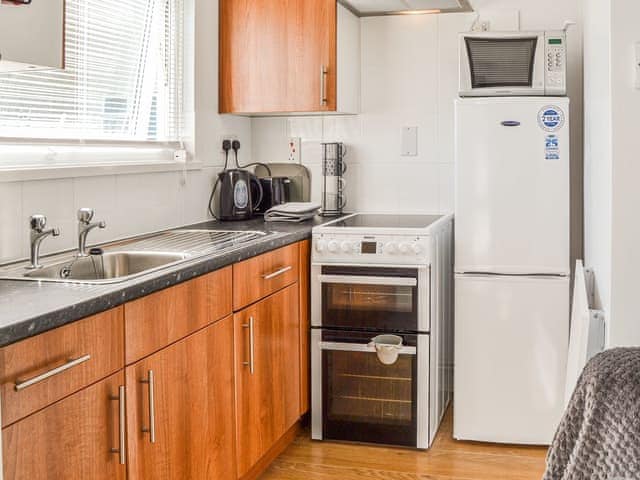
150, 381
250, 363
277, 273
21, 385
121, 450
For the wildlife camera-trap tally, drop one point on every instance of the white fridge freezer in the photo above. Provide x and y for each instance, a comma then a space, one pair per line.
512, 189
512, 265
511, 352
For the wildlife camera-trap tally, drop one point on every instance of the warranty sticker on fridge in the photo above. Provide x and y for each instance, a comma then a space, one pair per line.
551, 147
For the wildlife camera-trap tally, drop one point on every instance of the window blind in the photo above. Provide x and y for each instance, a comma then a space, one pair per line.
122, 81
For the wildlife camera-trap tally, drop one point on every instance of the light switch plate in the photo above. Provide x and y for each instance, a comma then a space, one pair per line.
409, 141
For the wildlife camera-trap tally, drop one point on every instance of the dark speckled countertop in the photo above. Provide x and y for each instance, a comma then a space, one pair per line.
29, 308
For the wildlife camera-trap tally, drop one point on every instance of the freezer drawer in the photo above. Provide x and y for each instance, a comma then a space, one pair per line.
510, 357
512, 193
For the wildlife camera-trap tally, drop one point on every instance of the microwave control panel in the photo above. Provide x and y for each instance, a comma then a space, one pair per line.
555, 64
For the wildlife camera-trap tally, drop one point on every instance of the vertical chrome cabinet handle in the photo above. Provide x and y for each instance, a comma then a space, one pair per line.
150, 381
323, 85
250, 363
122, 413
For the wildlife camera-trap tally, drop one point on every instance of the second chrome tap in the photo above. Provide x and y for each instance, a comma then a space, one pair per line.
85, 215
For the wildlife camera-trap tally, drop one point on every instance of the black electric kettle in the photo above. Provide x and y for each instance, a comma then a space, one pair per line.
238, 191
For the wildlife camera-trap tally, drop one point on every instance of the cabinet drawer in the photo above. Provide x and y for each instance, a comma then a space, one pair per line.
260, 276
159, 319
43, 369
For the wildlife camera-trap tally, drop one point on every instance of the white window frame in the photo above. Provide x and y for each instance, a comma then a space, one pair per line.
85, 158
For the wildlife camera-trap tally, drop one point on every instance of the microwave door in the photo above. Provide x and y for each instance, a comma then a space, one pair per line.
504, 65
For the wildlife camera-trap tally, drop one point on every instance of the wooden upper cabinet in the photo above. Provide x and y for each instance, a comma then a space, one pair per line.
193, 409
279, 56
159, 319
267, 366
32, 35
71, 439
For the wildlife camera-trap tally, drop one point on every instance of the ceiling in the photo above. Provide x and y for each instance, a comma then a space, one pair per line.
366, 8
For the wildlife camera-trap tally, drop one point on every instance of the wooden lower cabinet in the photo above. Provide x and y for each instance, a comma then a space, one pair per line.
70, 439
193, 402
304, 285
267, 367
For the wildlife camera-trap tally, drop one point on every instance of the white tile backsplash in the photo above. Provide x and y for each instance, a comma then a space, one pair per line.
12, 239
129, 204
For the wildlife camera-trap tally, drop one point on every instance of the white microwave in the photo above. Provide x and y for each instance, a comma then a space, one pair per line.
503, 64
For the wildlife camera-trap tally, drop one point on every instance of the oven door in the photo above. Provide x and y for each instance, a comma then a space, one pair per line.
355, 397
379, 299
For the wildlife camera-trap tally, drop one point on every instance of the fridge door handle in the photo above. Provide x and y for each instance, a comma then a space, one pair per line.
510, 123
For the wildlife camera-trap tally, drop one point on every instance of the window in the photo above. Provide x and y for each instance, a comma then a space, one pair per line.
122, 82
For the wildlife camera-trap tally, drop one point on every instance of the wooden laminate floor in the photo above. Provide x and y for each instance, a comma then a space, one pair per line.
447, 460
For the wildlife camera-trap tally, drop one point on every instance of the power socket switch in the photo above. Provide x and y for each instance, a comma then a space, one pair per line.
294, 146
409, 141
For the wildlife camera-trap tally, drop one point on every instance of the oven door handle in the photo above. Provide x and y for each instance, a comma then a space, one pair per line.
360, 347
364, 280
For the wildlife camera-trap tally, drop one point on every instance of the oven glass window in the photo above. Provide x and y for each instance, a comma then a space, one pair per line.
383, 307
365, 400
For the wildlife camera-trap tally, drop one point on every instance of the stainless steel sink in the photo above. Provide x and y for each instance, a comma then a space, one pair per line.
108, 266
130, 258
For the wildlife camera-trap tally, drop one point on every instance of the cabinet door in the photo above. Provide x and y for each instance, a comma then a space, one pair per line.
189, 406
155, 321
267, 374
273, 53
71, 439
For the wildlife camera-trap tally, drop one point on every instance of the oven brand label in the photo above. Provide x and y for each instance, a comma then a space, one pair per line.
551, 118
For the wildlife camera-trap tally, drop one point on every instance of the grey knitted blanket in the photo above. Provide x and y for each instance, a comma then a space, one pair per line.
599, 435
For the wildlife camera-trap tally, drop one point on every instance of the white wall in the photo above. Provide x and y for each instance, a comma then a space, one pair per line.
134, 203
597, 152
409, 78
612, 229
624, 328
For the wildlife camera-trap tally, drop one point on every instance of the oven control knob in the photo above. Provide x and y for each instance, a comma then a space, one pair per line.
320, 246
390, 247
417, 249
333, 246
346, 247
404, 248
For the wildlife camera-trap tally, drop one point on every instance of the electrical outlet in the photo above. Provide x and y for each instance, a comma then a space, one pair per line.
294, 147
228, 136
